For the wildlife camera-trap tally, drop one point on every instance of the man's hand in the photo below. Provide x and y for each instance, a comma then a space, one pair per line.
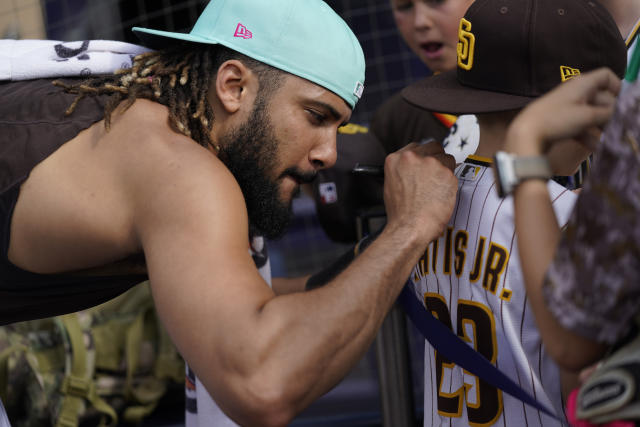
574, 110
420, 189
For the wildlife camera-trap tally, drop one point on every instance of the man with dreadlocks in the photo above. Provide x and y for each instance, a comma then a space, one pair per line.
168, 169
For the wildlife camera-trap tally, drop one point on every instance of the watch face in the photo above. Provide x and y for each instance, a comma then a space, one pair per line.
504, 173
499, 180
496, 174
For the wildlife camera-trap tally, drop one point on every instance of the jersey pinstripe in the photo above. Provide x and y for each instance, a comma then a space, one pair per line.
470, 278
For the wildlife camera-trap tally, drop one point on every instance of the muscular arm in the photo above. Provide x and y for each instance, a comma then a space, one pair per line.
567, 112
264, 358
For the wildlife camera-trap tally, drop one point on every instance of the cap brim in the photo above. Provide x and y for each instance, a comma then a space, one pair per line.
443, 93
156, 39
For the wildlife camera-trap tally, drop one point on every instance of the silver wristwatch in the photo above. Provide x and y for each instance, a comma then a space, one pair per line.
510, 170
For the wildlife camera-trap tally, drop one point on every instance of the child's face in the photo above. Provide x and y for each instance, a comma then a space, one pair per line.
430, 28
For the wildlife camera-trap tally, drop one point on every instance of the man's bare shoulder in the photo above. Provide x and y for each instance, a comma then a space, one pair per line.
115, 183
161, 168
143, 140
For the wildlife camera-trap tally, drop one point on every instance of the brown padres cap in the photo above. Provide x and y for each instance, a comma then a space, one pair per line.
513, 51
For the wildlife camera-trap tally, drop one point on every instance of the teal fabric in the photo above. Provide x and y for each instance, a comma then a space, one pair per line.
303, 37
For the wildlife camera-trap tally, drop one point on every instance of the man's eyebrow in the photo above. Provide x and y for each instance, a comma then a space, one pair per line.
332, 111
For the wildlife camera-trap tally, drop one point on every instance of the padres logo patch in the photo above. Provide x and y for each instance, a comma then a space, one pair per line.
466, 45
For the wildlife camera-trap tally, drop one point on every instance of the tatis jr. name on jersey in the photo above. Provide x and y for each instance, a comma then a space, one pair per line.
486, 270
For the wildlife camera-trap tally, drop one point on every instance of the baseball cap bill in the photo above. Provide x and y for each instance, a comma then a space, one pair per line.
513, 51
303, 37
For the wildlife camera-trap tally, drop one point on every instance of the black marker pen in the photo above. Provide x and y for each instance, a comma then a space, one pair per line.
370, 170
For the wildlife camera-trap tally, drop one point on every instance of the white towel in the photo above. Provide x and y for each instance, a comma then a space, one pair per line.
35, 59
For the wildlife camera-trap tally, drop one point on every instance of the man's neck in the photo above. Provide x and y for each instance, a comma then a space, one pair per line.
626, 13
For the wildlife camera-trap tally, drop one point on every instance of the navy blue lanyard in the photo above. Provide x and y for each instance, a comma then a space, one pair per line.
460, 353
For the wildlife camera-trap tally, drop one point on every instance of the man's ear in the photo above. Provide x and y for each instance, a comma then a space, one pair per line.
236, 86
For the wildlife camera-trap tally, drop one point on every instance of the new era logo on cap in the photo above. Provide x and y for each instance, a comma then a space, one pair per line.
243, 32
358, 90
567, 73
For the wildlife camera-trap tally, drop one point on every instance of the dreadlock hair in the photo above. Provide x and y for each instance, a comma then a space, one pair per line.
179, 78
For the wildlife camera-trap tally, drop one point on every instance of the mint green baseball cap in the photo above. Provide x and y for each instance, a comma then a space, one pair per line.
303, 37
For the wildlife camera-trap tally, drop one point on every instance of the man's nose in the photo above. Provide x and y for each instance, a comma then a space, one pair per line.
324, 154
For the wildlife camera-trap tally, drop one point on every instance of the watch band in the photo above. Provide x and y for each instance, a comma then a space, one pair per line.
532, 167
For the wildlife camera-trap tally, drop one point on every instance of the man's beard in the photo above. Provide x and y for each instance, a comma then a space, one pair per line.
250, 152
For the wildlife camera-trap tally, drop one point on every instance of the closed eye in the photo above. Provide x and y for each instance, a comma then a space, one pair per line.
316, 117
324, 114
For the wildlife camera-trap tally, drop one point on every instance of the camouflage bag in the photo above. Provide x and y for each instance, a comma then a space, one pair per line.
91, 367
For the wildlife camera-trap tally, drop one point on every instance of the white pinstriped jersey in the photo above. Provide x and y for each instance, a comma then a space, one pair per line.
471, 279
